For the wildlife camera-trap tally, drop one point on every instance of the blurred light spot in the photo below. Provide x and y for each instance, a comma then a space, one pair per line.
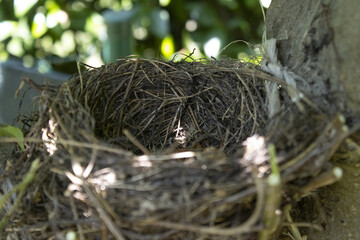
242, 56
23, 6
57, 17
58, 49
78, 6
83, 38
46, 43
38, 27
68, 41
51, 5
15, 47
164, 3
40, 54
164, 15
51, 20
190, 45
94, 60
23, 31
7, 28
265, 3
212, 47
3, 56
140, 33
167, 47
28, 61
191, 25
43, 66
126, 4
70, 235
63, 18
258, 51
112, 4
95, 24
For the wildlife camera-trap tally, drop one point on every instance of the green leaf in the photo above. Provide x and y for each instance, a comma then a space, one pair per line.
10, 131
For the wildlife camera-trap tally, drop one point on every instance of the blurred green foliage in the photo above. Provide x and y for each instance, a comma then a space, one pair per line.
75, 29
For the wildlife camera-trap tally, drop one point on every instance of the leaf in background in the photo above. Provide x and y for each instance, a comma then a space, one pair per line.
10, 131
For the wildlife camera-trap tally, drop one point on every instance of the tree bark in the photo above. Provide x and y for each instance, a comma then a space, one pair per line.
319, 40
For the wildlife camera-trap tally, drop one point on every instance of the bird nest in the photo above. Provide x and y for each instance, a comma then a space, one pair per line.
147, 149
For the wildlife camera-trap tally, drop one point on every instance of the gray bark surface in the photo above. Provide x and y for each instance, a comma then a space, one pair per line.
319, 40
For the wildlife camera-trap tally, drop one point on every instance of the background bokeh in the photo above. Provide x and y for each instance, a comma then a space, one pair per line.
49, 34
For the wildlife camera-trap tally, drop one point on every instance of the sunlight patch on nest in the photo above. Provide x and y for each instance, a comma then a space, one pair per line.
49, 136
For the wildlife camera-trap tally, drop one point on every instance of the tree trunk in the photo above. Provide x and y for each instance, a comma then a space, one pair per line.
319, 41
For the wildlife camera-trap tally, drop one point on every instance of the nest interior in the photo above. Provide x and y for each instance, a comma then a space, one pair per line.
166, 105
147, 149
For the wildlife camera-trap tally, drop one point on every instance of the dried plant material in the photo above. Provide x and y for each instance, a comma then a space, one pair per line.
147, 149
